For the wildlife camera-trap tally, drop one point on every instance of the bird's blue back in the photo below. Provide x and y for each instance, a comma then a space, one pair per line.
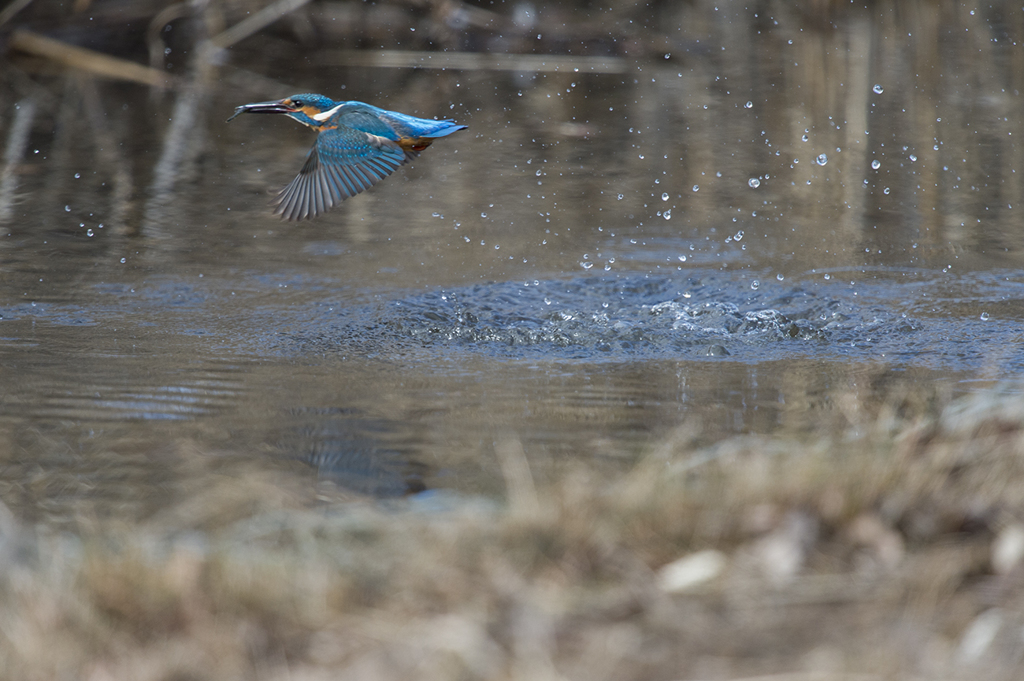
390, 124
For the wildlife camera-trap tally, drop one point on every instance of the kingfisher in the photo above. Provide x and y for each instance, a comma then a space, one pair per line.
358, 145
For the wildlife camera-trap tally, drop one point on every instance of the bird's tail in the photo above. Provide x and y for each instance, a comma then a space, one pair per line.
446, 128
411, 126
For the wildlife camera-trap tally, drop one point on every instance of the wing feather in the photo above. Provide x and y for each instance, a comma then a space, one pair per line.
342, 163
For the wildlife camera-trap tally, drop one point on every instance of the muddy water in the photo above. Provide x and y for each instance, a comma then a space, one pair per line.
770, 217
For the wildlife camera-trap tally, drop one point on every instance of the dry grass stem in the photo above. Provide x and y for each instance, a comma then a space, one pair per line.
84, 59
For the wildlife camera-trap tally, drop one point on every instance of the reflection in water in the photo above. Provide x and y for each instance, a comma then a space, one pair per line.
17, 141
109, 155
183, 142
763, 216
346, 447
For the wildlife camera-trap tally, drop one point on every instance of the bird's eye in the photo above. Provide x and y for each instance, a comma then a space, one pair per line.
298, 103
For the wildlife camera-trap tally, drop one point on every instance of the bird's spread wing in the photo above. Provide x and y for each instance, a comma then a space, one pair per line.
373, 124
342, 163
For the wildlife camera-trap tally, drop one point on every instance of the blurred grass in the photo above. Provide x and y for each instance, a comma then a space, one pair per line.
890, 549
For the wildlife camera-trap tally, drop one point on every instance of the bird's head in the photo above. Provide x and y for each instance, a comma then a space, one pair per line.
309, 109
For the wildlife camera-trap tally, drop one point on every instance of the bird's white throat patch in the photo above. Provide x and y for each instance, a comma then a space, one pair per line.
324, 115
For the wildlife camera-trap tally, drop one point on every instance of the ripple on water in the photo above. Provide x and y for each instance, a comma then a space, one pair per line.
615, 319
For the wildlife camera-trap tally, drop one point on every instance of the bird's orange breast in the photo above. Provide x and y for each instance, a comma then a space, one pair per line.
414, 143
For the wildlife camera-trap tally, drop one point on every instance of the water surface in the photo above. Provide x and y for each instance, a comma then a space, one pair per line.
737, 233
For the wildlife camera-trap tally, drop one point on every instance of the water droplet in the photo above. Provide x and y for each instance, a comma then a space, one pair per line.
696, 187
780, 277
641, 157
984, 316
876, 164
886, 191
667, 214
620, 197
755, 284
828, 276
822, 159
878, 89
123, 260
539, 172
738, 236
913, 157
89, 232
664, 197
586, 265
804, 138
67, 209
748, 105
754, 183
78, 176
682, 258
483, 215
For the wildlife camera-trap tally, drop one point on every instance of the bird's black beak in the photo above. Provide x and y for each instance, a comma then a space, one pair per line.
276, 107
